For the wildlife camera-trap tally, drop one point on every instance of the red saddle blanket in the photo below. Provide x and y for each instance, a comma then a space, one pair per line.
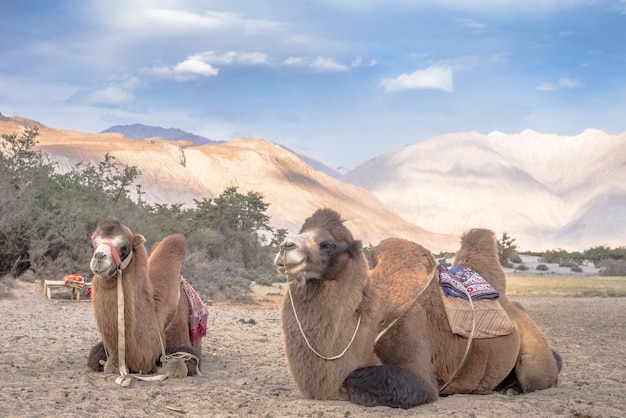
198, 312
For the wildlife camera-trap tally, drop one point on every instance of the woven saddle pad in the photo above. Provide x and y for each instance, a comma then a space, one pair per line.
491, 319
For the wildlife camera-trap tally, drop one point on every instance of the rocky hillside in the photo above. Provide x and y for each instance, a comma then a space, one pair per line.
179, 172
548, 191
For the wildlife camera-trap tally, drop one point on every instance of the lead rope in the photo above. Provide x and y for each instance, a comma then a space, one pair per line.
123, 379
306, 340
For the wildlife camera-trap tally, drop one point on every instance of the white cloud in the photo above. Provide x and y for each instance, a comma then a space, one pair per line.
563, 83
322, 64
432, 78
195, 65
202, 64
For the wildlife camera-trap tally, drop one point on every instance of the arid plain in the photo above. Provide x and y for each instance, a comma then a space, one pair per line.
44, 344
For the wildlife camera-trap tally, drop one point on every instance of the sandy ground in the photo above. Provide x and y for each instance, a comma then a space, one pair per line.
44, 344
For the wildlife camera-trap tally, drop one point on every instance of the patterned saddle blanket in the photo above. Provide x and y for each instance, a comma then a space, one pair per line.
485, 314
462, 281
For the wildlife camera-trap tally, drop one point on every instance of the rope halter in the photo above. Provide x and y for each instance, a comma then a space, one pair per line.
295, 314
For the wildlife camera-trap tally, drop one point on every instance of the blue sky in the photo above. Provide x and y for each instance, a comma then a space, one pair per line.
344, 80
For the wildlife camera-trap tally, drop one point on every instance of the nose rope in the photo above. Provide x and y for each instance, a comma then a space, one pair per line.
295, 314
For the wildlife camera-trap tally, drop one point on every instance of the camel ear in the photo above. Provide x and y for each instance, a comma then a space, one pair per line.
138, 239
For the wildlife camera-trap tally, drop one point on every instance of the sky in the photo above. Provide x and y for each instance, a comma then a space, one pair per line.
344, 80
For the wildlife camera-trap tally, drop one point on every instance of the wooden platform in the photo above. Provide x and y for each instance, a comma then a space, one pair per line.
48, 285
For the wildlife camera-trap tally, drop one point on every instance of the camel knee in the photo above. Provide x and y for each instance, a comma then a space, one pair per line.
389, 385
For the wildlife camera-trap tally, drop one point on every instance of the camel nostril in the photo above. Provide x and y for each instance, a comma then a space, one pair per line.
99, 256
287, 245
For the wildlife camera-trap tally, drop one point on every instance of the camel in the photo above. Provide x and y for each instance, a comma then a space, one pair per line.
156, 308
381, 337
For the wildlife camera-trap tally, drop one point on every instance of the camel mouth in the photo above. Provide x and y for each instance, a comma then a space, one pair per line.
101, 269
291, 268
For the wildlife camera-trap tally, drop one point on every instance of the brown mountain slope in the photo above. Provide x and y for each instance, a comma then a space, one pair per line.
179, 172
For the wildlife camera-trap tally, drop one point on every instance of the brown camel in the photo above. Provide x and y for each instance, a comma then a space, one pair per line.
156, 307
381, 337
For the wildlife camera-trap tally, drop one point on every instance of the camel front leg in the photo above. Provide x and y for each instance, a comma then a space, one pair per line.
389, 385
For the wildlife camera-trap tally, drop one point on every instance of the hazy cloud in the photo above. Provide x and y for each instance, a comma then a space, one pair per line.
108, 96
325, 64
432, 78
232, 57
563, 83
185, 21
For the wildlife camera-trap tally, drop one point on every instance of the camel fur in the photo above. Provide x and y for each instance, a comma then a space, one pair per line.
155, 306
404, 351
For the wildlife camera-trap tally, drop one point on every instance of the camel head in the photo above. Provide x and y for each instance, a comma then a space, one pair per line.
112, 245
321, 250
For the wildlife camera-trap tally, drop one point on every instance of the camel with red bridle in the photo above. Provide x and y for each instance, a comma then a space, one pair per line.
158, 323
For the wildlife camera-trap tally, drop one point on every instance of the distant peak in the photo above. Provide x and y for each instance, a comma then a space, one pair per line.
496, 133
140, 131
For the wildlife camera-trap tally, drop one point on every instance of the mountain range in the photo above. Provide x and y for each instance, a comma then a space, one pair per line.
547, 191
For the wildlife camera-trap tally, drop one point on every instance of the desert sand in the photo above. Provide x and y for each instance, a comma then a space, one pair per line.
44, 345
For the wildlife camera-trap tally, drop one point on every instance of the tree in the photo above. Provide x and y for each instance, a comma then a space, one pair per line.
506, 250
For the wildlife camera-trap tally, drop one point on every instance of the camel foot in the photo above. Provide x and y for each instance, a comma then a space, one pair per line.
175, 368
97, 357
558, 359
190, 357
388, 385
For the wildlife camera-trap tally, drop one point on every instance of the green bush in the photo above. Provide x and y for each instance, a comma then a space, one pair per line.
542, 267
613, 268
521, 267
576, 269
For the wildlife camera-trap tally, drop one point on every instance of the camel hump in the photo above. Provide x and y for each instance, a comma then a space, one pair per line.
479, 251
174, 245
479, 239
167, 258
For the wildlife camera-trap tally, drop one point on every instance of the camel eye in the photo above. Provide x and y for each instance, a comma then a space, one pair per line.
124, 248
328, 245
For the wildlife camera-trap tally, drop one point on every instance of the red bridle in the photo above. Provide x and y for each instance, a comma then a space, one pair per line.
116, 256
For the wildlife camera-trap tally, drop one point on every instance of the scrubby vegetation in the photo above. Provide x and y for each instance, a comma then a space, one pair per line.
610, 261
47, 217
